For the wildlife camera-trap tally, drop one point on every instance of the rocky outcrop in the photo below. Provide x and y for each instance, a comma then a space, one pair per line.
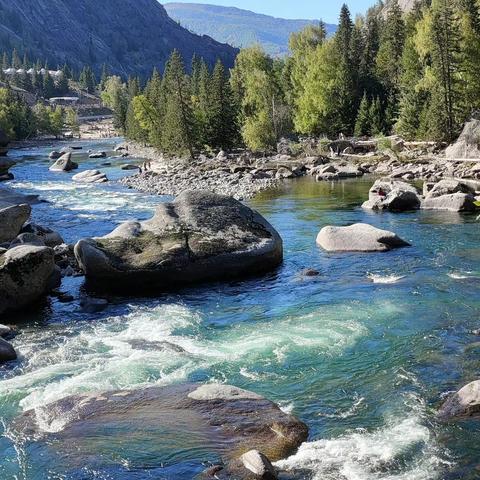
222, 419
358, 238
199, 237
64, 164
450, 195
90, 176
468, 143
462, 404
392, 195
7, 352
26, 274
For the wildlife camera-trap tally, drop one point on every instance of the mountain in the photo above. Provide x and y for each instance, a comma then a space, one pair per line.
237, 27
405, 5
130, 36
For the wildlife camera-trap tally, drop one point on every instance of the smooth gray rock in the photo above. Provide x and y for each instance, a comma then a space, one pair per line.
358, 238
12, 218
199, 237
392, 195
64, 164
462, 404
90, 176
7, 352
48, 236
26, 274
257, 463
27, 239
456, 202
98, 155
219, 391
449, 187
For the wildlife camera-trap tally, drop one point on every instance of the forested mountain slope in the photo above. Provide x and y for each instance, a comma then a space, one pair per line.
241, 28
130, 36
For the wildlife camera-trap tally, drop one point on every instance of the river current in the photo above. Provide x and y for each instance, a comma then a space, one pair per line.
363, 353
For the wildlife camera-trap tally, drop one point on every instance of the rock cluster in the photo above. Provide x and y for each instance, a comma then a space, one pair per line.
199, 237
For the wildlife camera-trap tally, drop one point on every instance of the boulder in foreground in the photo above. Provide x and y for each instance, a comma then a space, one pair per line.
358, 238
221, 419
26, 274
199, 237
463, 404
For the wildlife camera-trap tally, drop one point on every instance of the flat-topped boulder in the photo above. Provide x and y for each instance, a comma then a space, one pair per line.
27, 273
90, 176
450, 195
449, 187
359, 237
463, 404
64, 164
392, 195
221, 420
201, 236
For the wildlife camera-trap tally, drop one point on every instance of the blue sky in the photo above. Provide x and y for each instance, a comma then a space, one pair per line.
327, 10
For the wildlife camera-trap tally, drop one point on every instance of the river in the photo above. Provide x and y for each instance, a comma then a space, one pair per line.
363, 353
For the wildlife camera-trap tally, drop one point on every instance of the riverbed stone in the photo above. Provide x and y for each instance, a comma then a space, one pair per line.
199, 237
7, 352
455, 202
449, 187
90, 176
5, 165
64, 164
360, 237
257, 463
26, 274
12, 218
49, 237
228, 427
392, 195
462, 404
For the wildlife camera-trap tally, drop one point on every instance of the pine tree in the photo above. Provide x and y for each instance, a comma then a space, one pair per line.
178, 124
376, 117
87, 80
16, 62
48, 87
363, 123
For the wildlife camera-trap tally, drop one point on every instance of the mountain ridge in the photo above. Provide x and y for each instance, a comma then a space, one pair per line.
239, 27
130, 36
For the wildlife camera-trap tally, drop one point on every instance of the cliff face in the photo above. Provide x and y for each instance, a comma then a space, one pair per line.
238, 27
130, 36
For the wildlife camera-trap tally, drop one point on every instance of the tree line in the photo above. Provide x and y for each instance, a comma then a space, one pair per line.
414, 74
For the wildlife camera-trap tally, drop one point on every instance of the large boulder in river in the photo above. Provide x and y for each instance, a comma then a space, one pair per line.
450, 195
26, 274
12, 218
5, 165
358, 238
462, 404
90, 176
392, 195
7, 352
221, 420
64, 164
201, 236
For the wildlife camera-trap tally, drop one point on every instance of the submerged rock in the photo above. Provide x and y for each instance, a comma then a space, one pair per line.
199, 237
26, 274
394, 196
64, 164
223, 420
463, 404
358, 238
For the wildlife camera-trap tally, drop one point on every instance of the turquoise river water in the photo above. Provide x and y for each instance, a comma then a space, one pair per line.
364, 353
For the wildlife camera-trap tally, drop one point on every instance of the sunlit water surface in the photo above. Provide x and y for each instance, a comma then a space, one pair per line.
364, 353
